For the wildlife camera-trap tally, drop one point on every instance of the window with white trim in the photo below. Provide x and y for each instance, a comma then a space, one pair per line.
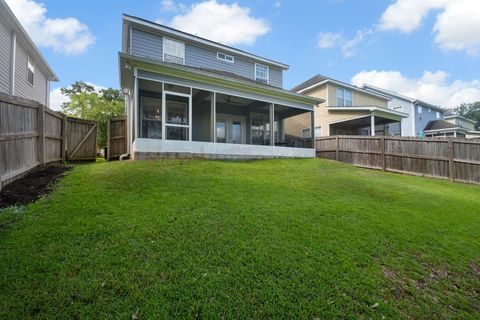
261, 73
173, 51
225, 57
438, 115
318, 132
30, 70
306, 133
420, 109
344, 97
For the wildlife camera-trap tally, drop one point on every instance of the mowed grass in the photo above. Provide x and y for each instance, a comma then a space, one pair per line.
234, 240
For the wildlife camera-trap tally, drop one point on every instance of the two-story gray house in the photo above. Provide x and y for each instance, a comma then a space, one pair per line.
24, 72
420, 113
189, 96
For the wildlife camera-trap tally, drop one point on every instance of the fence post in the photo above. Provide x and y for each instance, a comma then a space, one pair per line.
451, 171
107, 156
337, 148
64, 138
41, 135
382, 149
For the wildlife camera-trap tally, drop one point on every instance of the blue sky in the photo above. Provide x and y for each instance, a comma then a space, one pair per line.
404, 45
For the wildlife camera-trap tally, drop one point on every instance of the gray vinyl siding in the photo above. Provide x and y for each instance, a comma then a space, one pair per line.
148, 45
203, 58
275, 77
421, 119
5, 59
38, 91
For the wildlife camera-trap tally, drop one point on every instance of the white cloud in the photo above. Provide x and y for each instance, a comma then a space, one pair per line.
227, 24
432, 87
348, 47
277, 4
169, 5
66, 35
327, 40
455, 26
57, 98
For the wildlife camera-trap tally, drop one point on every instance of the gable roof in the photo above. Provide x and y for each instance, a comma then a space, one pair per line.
319, 80
22, 36
401, 97
206, 42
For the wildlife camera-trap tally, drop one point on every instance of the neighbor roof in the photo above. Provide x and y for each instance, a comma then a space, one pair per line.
319, 80
204, 41
23, 37
400, 96
439, 125
460, 117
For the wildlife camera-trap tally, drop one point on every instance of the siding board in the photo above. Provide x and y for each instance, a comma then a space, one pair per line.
149, 45
5, 52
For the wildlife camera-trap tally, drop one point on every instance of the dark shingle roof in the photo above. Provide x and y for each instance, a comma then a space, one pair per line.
310, 82
439, 124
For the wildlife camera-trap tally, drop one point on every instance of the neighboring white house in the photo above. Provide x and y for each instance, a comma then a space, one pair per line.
420, 113
24, 72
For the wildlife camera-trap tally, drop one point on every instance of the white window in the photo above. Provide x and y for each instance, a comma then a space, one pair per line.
261, 73
420, 110
306, 133
30, 70
344, 97
225, 57
318, 132
173, 51
438, 115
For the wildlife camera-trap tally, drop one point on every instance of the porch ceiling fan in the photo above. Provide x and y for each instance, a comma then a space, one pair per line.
229, 100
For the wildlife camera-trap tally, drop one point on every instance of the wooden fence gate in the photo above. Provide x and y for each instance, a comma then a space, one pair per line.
116, 138
81, 140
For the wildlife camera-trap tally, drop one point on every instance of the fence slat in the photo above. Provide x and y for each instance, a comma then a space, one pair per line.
456, 160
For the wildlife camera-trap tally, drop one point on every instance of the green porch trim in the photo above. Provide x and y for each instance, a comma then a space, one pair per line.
201, 76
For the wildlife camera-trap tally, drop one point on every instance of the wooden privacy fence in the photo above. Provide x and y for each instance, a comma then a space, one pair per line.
116, 138
456, 160
81, 140
31, 135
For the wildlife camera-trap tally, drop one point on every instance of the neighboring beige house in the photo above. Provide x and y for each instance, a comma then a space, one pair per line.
347, 110
454, 126
24, 72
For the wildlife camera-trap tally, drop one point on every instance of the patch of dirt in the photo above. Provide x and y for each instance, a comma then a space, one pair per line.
34, 185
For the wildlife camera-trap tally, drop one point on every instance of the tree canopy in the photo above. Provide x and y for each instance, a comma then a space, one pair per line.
470, 111
90, 104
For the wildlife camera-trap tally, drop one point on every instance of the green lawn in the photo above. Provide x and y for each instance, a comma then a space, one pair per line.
263, 239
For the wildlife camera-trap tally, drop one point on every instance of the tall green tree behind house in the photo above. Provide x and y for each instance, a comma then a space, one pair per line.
470, 111
87, 103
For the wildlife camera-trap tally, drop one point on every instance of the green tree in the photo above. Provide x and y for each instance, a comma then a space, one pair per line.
470, 111
87, 103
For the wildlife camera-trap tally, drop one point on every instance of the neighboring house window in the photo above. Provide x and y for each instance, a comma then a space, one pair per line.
438, 115
306, 133
344, 97
225, 57
420, 109
173, 51
261, 73
30, 70
318, 132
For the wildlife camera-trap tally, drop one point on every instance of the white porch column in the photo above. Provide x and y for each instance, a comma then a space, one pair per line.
272, 124
214, 117
372, 125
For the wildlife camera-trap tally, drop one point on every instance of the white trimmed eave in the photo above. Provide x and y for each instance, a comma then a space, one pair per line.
373, 109
446, 130
198, 40
344, 85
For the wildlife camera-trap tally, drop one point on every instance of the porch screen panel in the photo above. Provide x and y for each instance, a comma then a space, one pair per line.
150, 109
177, 114
202, 117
